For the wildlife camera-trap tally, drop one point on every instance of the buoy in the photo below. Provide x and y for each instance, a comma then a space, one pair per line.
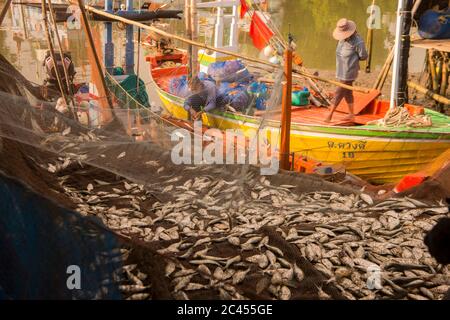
268, 51
274, 60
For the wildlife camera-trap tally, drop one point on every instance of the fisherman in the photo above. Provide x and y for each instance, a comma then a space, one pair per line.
50, 69
350, 51
202, 99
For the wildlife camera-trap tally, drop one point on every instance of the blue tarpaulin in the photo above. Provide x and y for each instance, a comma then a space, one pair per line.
39, 240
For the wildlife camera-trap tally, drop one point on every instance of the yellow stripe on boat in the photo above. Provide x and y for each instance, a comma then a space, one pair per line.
375, 159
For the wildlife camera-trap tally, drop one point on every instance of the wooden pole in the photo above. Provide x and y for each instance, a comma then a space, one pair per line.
432, 70
387, 65
402, 93
385, 75
194, 34
4, 11
52, 52
286, 112
300, 74
397, 54
138, 61
444, 80
370, 40
98, 67
429, 93
188, 26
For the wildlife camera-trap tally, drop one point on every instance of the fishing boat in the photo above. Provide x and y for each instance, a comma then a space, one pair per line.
378, 154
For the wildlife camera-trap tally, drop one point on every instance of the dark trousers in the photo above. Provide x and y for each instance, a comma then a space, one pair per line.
342, 93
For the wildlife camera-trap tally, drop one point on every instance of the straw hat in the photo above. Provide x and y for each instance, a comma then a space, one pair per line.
344, 29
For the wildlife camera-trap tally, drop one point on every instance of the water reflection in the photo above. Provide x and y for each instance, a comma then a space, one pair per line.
312, 22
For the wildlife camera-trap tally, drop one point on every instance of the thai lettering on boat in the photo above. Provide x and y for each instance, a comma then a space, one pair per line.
355, 146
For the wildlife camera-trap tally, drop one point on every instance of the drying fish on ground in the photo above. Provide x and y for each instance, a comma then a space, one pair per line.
207, 231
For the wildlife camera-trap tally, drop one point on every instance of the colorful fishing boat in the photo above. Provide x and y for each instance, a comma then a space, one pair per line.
379, 155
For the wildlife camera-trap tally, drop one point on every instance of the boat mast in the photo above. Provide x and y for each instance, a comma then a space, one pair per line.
194, 35
286, 111
188, 26
129, 51
108, 48
401, 54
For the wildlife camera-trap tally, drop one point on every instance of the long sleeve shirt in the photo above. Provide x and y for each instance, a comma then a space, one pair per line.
211, 96
206, 99
348, 55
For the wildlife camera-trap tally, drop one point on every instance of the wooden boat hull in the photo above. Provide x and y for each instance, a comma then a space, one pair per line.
376, 155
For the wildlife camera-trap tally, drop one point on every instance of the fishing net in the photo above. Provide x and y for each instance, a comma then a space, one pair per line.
140, 227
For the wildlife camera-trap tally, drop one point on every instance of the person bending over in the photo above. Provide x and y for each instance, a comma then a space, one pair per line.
202, 99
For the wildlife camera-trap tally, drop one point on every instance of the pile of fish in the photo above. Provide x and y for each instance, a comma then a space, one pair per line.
221, 234
210, 232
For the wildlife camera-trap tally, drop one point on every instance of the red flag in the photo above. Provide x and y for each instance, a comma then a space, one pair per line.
259, 31
244, 8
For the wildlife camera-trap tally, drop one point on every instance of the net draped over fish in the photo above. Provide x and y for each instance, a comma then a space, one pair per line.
205, 231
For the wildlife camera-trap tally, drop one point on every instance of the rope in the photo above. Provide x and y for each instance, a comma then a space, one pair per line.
400, 117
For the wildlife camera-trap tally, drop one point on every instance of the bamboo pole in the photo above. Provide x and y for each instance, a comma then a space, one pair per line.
380, 75
286, 112
444, 77
385, 75
52, 52
98, 67
429, 93
5, 11
300, 73
444, 80
432, 65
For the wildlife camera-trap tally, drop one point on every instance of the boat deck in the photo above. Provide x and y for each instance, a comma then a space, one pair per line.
311, 114
366, 106
317, 115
